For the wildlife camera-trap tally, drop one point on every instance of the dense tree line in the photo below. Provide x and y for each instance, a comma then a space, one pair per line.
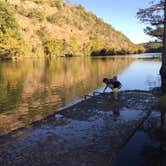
59, 29
153, 47
11, 43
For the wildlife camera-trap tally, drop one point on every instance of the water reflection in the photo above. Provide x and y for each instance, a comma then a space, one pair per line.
155, 153
147, 147
141, 74
116, 111
33, 89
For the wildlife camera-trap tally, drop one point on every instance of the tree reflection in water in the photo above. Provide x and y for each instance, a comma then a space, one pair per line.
35, 88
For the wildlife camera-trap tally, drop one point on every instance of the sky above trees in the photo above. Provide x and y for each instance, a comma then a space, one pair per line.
120, 14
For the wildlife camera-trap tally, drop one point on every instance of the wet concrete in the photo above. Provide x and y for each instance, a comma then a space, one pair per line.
89, 133
147, 147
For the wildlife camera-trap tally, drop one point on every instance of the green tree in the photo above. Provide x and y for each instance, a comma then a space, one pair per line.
56, 3
74, 44
7, 19
155, 15
53, 46
11, 43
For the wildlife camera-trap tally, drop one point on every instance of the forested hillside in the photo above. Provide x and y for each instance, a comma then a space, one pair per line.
52, 27
152, 47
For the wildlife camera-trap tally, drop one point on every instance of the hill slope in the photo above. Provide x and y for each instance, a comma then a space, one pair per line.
153, 47
52, 27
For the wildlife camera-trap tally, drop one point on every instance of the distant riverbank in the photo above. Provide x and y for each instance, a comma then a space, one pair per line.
101, 53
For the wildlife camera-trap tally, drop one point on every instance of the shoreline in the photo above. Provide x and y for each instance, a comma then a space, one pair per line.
70, 105
90, 132
25, 57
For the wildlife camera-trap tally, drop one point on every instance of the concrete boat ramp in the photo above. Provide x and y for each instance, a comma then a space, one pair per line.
89, 133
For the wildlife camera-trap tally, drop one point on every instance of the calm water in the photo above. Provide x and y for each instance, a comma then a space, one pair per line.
33, 89
146, 147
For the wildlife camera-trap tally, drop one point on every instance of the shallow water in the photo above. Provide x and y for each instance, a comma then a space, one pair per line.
35, 88
141, 75
145, 147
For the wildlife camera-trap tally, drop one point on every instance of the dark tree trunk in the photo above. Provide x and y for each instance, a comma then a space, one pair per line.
163, 66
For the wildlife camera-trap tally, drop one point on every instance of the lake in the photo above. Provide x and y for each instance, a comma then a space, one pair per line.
32, 89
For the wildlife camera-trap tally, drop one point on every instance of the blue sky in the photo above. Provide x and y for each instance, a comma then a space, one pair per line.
121, 14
